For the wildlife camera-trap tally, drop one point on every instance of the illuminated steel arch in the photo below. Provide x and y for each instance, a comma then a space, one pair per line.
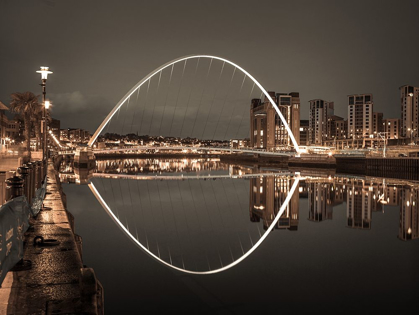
251, 250
151, 74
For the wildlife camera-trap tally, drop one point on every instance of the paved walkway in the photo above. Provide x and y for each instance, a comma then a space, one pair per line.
52, 285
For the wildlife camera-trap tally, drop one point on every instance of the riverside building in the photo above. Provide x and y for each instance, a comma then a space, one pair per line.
409, 111
360, 118
320, 110
266, 128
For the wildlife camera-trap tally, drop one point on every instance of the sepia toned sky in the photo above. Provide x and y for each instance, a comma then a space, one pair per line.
98, 49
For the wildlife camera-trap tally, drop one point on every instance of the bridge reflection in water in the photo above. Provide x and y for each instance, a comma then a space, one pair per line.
204, 216
195, 226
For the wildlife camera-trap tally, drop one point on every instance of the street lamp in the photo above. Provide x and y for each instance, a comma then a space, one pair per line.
47, 104
44, 71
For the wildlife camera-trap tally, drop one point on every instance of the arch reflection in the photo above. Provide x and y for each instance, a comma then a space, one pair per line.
223, 227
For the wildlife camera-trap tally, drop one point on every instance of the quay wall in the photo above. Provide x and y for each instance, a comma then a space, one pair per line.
403, 168
51, 277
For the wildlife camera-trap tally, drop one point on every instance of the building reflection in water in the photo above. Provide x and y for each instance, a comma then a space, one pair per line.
322, 197
409, 215
267, 194
362, 196
144, 166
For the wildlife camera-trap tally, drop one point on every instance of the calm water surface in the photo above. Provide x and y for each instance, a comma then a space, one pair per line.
341, 244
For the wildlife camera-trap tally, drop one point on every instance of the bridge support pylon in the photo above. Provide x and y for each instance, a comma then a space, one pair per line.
84, 164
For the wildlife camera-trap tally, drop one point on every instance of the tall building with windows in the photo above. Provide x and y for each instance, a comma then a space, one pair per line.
319, 112
333, 123
341, 129
377, 122
304, 131
391, 128
266, 128
360, 116
410, 111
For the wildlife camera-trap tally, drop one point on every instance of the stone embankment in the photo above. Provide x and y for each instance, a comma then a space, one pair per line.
51, 279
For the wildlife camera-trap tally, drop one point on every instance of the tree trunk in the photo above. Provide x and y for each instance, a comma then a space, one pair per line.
28, 133
38, 132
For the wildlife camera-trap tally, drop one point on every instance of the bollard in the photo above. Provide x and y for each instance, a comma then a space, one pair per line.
35, 175
42, 171
24, 173
2, 187
14, 187
38, 174
31, 182
45, 165
40, 178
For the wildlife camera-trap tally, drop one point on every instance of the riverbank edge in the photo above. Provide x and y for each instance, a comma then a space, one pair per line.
53, 279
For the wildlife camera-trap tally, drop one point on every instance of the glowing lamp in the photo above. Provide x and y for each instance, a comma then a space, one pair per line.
47, 104
44, 71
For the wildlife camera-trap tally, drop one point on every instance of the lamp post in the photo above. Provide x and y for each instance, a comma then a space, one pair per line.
44, 71
46, 107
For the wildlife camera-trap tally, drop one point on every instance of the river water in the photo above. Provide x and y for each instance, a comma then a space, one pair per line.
201, 236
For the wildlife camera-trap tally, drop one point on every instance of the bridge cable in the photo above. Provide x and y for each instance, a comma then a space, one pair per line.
225, 99
166, 225
135, 109
189, 97
132, 208
199, 222
155, 101
246, 110
152, 217
186, 219
145, 105
229, 231
233, 110
239, 206
122, 196
176, 224
231, 216
113, 194
165, 102
177, 97
142, 212
126, 111
209, 216
202, 96
212, 102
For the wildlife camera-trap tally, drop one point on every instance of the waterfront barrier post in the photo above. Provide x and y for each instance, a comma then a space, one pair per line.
14, 187
24, 173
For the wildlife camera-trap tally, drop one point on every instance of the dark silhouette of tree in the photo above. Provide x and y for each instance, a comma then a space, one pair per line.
27, 106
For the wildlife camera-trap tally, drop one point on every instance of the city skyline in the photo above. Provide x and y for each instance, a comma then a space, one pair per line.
325, 58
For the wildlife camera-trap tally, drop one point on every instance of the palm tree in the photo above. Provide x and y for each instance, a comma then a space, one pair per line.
25, 104
37, 117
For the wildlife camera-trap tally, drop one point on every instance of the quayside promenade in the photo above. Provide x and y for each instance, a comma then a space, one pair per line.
52, 278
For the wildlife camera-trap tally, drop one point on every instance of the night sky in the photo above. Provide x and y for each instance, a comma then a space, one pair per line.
99, 49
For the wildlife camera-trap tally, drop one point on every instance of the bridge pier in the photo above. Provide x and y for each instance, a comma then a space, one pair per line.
84, 164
